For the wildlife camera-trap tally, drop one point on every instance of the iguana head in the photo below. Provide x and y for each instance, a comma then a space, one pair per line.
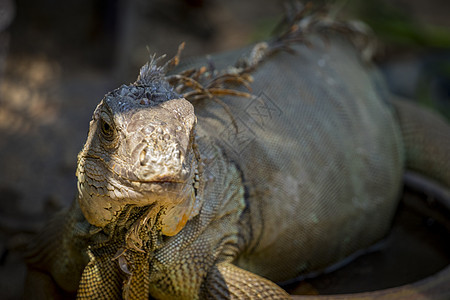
139, 151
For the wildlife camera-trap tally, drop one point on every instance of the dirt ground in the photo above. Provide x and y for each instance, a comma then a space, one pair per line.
63, 56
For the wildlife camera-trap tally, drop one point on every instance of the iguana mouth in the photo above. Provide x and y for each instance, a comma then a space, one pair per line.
191, 178
184, 177
184, 206
103, 198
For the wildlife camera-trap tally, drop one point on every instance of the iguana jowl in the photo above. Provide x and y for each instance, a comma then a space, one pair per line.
222, 198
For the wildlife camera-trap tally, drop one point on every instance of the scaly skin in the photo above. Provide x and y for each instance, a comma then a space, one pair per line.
224, 200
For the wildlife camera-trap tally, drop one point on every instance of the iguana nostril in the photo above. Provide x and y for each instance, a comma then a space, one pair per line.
144, 157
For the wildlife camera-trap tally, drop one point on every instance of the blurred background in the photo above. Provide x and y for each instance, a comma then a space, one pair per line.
58, 59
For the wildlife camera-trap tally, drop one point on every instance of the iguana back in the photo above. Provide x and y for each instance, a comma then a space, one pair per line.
320, 153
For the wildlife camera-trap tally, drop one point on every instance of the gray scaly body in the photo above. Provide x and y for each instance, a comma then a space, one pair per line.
254, 180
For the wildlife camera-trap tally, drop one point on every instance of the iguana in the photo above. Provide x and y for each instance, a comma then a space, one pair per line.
237, 171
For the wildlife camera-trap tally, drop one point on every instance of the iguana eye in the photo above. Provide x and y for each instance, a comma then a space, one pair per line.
107, 130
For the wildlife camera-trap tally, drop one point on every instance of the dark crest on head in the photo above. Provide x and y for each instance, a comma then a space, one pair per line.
150, 88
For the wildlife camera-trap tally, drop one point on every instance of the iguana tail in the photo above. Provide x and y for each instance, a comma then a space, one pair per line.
426, 138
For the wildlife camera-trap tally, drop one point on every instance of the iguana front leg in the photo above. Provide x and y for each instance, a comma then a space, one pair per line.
226, 281
57, 256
